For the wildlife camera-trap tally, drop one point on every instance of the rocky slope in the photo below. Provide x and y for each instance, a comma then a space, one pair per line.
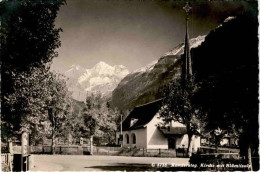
146, 84
102, 78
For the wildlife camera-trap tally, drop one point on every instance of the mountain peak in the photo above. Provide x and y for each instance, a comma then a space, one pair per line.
120, 66
146, 68
179, 49
102, 68
75, 66
101, 78
102, 63
229, 19
194, 42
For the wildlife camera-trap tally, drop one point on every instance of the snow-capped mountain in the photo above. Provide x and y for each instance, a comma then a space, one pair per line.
102, 78
74, 72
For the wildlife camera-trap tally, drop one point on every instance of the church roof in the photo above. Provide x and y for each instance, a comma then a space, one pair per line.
140, 116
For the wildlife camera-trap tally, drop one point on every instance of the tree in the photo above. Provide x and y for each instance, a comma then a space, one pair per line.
28, 40
232, 108
26, 103
42, 101
29, 37
74, 124
226, 64
58, 104
178, 106
99, 119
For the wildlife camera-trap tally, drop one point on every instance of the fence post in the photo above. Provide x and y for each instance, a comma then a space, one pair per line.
159, 151
91, 145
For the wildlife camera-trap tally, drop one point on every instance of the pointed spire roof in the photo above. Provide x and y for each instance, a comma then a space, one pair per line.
187, 68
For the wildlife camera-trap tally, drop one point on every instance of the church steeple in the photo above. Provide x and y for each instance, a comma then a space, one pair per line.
187, 68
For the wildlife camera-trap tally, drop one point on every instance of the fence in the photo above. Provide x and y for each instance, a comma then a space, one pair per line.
149, 152
207, 149
103, 150
4, 158
181, 152
65, 150
160, 152
224, 155
70, 150
6, 161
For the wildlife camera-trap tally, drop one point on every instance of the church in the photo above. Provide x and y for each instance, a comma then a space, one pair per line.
141, 127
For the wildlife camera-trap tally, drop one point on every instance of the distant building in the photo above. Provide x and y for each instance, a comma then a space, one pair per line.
228, 140
141, 129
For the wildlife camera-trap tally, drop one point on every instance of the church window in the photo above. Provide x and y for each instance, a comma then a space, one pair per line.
134, 138
127, 138
133, 121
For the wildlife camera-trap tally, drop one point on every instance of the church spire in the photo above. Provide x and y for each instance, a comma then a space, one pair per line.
187, 68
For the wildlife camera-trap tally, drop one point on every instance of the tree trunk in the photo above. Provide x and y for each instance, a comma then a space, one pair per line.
52, 120
10, 160
189, 145
109, 139
10, 146
52, 142
249, 156
190, 134
216, 156
91, 145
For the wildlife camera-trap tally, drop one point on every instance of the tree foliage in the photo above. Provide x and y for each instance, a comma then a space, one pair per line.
227, 66
39, 103
98, 119
29, 37
178, 106
28, 42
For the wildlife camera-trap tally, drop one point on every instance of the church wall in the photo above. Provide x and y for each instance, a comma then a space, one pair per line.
151, 137
155, 138
140, 135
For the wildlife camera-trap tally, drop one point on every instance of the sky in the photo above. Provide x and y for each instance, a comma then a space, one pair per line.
132, 33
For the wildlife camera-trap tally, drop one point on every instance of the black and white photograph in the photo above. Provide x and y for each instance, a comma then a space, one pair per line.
129, 85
